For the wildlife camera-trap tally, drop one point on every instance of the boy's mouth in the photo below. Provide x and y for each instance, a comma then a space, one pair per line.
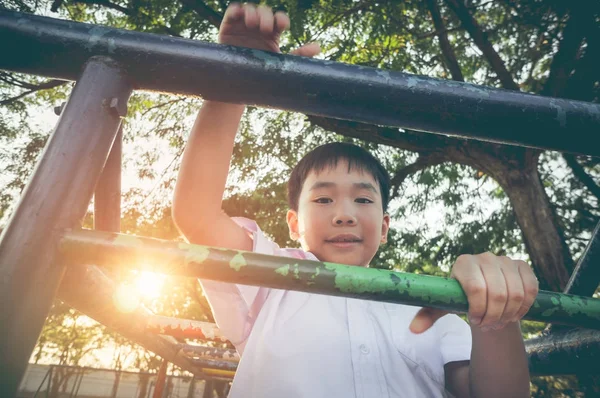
344, 239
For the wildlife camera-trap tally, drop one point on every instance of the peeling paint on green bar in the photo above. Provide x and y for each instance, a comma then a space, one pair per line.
128, 240
196, 254
237, 262
233, 266
283, 270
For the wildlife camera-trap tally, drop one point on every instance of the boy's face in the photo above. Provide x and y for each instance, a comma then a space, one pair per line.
340, 217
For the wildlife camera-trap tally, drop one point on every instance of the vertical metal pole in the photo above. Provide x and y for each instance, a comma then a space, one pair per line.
107, 197
192, 388
55, 199
209, 387
586, 275
160, 379
49, 381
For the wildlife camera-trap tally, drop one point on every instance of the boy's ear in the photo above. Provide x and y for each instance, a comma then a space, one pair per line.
292, 222
385, 227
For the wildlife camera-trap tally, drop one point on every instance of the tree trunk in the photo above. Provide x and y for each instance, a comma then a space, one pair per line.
516, 172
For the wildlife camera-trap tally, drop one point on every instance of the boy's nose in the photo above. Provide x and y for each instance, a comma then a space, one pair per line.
344, 219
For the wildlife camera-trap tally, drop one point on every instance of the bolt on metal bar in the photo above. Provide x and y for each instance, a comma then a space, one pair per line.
108, 249
58, 48
564, 352
56, 198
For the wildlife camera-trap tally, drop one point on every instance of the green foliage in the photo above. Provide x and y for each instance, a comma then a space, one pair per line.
437, 213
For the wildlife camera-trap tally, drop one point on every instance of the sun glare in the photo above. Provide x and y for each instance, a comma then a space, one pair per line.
129, 295
149, 284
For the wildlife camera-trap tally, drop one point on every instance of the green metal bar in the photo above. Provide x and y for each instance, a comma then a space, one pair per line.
110, 249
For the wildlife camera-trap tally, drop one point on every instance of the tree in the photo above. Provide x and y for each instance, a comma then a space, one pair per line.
492, 197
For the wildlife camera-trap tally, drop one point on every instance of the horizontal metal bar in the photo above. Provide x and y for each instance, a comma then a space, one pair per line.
184, 328
206, 363
565, 352
110, 249
197, 351
58, 49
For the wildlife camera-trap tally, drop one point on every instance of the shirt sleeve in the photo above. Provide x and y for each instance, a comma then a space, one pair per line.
235, 307
455, 339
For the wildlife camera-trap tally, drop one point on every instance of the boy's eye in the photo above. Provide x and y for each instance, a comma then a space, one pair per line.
322, 200
363, 200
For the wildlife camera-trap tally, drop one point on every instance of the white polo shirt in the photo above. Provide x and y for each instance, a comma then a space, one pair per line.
295, 344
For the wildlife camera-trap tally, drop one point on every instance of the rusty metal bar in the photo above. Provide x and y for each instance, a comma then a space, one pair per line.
56, 198
564, 353
116, 250
197, 351
184, 328
57, 48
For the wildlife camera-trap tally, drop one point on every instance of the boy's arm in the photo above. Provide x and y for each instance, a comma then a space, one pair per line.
500, 291
201, 182
202, 177
498, 366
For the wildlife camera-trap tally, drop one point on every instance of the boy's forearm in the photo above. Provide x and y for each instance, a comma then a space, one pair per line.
499, 365
205, 163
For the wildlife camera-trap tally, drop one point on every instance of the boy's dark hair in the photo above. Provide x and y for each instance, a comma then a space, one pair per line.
328, 155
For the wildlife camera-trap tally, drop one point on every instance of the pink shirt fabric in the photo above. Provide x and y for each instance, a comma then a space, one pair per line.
295, 344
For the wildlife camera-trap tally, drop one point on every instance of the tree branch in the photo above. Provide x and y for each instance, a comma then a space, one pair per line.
34, 88
582, 175
422, 162
564, 60
481, 40
442, 35
103, 3
204, 11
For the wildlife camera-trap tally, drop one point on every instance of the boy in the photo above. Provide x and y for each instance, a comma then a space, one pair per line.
295, 344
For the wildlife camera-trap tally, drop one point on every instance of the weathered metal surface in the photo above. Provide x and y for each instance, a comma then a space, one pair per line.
185, 328
56, 198
565, 352
219, 374
92, 247
197, 351
207, 363
58, 48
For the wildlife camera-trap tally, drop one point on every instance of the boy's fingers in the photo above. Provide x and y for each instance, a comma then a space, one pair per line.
251, 16
530, 288
425, 319
234, 12
266, 19
514, 288
282, 21
471, 279
496, 291
307, 50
